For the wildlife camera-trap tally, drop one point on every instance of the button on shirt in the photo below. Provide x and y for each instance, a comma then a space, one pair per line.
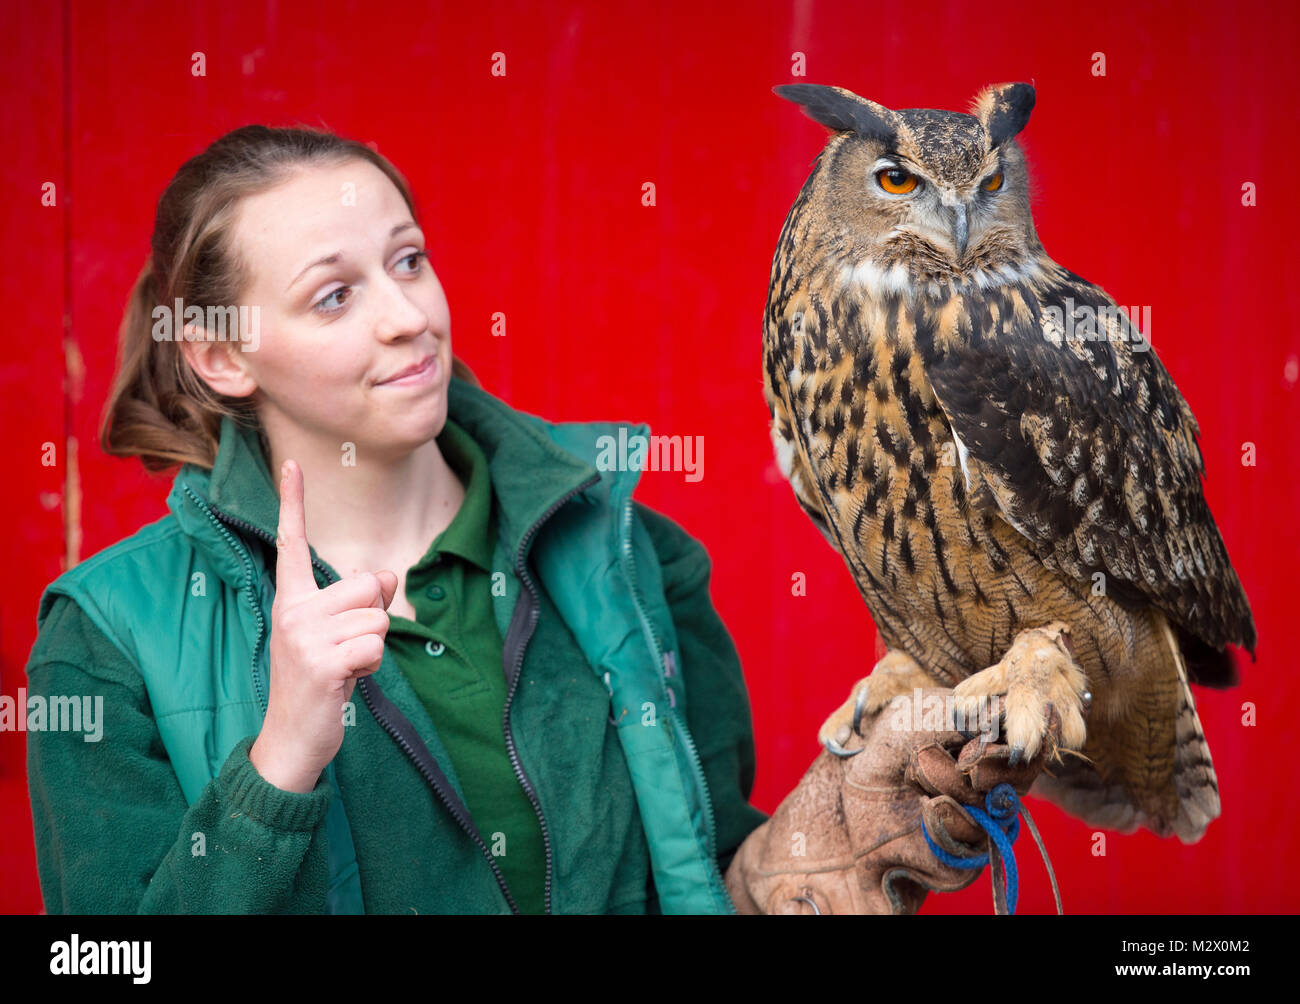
451, 654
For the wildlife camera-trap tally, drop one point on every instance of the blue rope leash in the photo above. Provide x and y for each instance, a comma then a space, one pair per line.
1001, 822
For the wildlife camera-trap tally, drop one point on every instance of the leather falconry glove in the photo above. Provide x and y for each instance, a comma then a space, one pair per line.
850, 838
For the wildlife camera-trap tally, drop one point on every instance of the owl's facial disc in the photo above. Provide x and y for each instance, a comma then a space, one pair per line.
948, 216
931, 211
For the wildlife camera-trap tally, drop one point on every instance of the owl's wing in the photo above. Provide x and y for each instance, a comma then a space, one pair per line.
1089, 450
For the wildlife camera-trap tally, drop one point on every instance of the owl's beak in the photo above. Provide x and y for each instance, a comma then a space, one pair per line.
960, 233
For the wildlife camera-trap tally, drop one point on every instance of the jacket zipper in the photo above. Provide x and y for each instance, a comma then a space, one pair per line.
682, 730
465, 824
364, 685
534, 612
248, 574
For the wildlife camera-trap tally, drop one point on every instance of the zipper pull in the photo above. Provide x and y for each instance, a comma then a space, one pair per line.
670, 670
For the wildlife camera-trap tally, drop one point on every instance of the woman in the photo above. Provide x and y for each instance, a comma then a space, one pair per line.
552, 717
238, 772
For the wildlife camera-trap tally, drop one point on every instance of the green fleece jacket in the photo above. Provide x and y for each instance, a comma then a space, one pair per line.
115, 832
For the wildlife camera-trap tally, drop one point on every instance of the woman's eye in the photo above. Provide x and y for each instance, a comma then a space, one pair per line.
419, 257
993, 183
317, 306
416, 260
896, 181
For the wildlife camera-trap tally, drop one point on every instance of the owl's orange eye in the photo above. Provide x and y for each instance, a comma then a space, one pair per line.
993, 183
896, 181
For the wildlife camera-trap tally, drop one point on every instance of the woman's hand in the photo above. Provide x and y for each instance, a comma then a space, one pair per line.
322, 642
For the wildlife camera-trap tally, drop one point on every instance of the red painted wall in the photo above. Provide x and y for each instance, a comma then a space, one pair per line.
530, 189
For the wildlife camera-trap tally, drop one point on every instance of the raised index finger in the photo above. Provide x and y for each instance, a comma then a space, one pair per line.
293, 575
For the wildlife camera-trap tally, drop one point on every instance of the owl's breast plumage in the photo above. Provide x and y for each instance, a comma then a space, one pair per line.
867, 447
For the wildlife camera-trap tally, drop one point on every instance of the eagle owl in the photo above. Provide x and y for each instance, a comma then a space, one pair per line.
993, 448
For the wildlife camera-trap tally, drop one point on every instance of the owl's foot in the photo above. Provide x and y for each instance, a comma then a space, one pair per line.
1038, 672
897, 673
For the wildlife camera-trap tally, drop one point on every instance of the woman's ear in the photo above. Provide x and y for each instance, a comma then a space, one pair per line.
217, 362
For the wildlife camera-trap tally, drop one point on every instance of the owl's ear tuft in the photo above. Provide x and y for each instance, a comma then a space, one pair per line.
842, 110
1004, 110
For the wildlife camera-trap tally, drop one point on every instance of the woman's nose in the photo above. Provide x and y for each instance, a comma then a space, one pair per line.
397, 314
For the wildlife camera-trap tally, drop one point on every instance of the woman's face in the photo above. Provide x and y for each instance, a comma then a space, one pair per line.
347, 300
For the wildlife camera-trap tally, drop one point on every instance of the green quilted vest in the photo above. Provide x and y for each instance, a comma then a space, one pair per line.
593, 557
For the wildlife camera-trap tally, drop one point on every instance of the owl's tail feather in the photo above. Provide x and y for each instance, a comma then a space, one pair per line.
1194, 778
1079, 790
1115, 799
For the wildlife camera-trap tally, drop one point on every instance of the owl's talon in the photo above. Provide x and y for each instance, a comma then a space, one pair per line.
859, 706
1036, 682
833, 747
895, 674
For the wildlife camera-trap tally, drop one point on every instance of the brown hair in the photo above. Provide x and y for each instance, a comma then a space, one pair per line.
159, 409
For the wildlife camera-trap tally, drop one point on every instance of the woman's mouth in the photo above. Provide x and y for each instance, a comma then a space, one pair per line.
426, 373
